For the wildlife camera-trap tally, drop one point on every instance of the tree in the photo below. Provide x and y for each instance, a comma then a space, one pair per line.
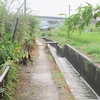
79, 20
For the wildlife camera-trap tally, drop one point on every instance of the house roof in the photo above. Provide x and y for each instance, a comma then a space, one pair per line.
45, 27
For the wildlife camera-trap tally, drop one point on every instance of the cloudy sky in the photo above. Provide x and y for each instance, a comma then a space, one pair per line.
55, 7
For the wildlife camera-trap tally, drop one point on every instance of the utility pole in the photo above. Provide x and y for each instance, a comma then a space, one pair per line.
69, 16
69, 9
24, 7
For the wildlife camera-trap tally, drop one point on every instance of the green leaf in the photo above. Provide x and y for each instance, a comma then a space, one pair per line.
2, 90
97, 24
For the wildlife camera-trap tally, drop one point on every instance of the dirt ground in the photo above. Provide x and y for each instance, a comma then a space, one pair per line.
42, 80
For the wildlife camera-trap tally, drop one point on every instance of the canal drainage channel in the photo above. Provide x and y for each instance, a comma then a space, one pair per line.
78, 86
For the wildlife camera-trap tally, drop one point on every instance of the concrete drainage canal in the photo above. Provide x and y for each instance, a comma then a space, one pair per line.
79, 79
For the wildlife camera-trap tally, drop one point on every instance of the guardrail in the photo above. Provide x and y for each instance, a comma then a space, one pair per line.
4, 74
2, 77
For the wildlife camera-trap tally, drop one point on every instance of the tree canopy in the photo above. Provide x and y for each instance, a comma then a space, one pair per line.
82, 18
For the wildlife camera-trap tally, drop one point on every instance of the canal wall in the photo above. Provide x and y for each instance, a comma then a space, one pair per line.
84, 66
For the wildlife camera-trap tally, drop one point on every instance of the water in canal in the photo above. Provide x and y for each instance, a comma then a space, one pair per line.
79, 88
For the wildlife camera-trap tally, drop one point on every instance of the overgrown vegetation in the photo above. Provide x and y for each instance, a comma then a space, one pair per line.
82, 18
14, 43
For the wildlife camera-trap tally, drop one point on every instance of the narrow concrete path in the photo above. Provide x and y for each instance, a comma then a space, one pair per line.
37, 82
42, 78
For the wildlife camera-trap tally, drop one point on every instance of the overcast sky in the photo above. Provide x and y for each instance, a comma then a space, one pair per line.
55, 7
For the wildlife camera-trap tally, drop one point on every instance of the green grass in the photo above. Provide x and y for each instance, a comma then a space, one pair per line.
88, 42
49, 56
32, 92
86, 37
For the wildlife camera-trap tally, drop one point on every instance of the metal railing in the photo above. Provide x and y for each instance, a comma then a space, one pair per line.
4, 74
2, 77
